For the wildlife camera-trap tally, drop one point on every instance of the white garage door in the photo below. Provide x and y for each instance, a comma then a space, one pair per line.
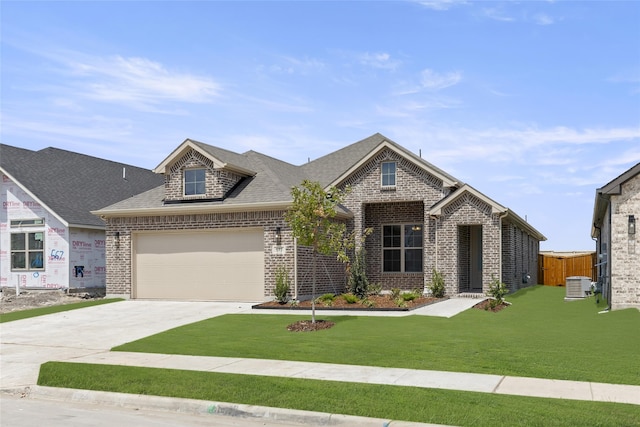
226, 265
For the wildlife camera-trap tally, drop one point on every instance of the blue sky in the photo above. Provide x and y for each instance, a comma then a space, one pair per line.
535, 104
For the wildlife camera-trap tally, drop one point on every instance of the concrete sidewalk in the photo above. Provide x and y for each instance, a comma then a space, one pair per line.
485, 383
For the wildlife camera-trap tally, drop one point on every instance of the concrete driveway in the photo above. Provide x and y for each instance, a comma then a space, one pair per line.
26, 344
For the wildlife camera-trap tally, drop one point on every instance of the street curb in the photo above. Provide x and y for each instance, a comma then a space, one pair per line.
203, 407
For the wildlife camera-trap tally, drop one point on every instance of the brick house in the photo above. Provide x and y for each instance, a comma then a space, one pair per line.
616, 214
215, 230
48, 236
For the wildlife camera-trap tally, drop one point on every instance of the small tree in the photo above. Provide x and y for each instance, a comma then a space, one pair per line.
436, 286
358, 281
312, 220
282, 284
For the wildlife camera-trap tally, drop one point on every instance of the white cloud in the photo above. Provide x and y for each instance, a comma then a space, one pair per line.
432, 80
497, 14
294, 65
442, 4
379, 60
139, 81
543, 19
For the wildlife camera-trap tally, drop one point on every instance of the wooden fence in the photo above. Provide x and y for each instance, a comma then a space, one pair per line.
555, 267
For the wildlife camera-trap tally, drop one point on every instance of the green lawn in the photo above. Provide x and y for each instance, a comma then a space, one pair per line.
540, 335
25, 314
388, 402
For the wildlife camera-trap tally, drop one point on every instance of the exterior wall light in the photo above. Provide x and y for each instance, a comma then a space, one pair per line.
278, 236
632, 224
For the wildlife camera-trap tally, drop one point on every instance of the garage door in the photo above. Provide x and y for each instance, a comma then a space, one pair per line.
223, 265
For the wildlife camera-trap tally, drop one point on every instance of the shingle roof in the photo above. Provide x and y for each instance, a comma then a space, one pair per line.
273, 178
73, 184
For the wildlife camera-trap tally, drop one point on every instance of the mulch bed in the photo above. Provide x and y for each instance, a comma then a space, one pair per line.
380, 303
308, 326
486, 305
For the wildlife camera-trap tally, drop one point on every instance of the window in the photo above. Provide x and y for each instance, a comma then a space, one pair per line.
27, 222
27, 251
388, 174
402, 248
194, 183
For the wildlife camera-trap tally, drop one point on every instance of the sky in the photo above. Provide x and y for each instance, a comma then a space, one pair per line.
533, 103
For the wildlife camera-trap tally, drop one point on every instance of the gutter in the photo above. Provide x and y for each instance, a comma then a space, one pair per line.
185, 209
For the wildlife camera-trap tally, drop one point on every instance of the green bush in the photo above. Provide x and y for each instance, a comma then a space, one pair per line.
375, 289
282, 285
400, 302
326, 299
437, 284
395, 293
350, 298
497, 290
368, 303
358, 282
409, 296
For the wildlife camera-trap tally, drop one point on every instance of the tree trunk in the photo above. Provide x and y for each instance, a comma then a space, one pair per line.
313, 286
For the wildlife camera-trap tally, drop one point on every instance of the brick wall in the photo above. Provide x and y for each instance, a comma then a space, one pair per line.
467, 210
519, 257
374, 206
119, 250
376, 215
330, 272
625, 247
217, 182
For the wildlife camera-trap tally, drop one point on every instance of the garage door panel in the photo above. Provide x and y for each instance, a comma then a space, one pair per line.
211, 265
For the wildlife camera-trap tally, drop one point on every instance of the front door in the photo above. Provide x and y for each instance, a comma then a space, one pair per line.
475, 258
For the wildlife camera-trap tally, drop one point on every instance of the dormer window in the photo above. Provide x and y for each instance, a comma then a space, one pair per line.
194, 182
388, 174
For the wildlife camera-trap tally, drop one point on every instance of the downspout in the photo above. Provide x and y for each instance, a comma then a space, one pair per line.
295, 268
608, 269
435, 218
501, 216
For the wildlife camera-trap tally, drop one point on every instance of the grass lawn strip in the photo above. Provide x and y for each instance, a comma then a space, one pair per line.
540, 336
389, 402
41, 311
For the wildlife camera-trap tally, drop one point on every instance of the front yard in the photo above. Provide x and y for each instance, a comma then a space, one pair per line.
540, 335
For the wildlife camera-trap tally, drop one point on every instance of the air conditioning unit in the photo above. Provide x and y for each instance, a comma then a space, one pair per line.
578, 286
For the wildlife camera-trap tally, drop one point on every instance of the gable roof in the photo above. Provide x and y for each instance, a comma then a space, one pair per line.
71, 185
269, 185
221, 158
604, 193
496, 208
335, 167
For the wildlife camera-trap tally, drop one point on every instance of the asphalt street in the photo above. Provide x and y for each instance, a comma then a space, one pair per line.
20, 412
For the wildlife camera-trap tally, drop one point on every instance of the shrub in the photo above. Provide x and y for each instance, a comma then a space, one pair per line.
375, 289
368, 303
409, 296
358, 282
350, 298
400, 302
282, 285
326, 299
395, 293
437, 284
497, 290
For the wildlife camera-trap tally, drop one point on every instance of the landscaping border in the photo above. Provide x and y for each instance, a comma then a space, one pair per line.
319, 307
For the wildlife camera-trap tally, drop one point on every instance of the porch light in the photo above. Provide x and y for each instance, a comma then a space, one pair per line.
117, 236
416, 228
632, 224
278, 236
